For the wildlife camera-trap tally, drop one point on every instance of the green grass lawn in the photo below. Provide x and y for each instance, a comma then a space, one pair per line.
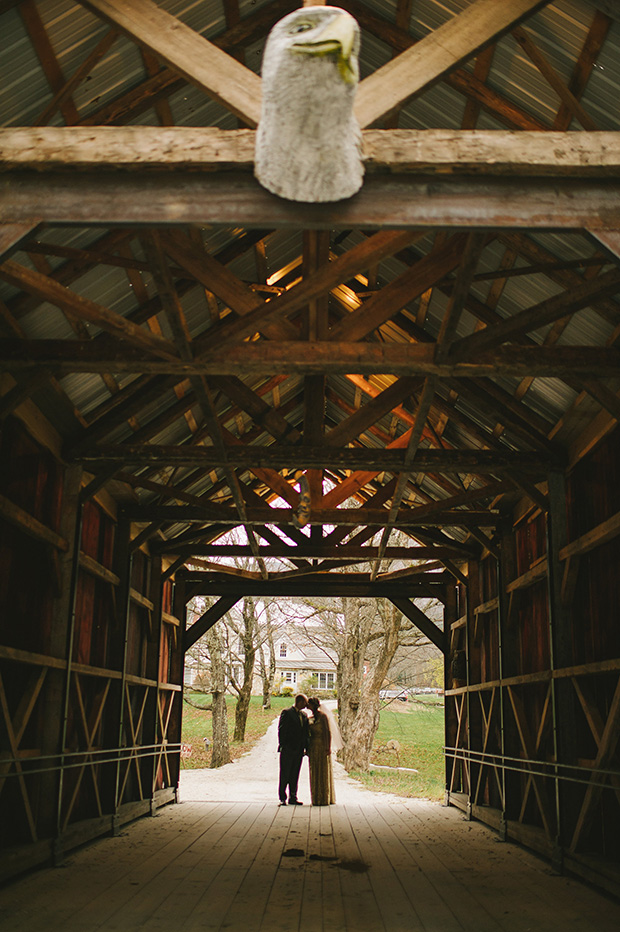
420, 732
418, 727
197, 726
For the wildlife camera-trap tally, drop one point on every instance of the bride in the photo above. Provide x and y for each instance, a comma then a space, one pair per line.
324, 740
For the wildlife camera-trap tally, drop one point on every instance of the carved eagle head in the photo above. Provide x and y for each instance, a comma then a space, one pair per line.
308, 142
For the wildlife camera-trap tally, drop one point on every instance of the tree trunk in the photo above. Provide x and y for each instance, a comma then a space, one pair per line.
248, 638
357, 751
358, 745
267, 668
220, 753
243, 698
358, 619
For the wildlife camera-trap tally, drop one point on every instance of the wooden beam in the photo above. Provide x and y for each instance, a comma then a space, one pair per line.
268, 317
11, 234
182, 148
288, 358
438, 53
209, 618
279, 456
78, 307
422, 275
95, 568
566, 277
317, 584
598, 536
350, 517
222, 282
316, 550
421, 621
64, 92
187, 52
557, 83
30, 525
249, 401
532, 576
584, 66
234, 199
50, 65
371, 412
141, 600
541, 314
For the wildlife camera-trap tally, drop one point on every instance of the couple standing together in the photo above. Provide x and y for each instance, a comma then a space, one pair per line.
317, 736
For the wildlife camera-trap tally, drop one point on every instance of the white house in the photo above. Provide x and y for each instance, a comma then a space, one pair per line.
299, 656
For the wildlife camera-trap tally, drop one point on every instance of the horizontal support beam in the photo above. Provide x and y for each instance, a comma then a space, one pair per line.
30, 525
532, 576
345, 517
331, 358
314, 550
236, 199
486, 607
95, 568
598, 536
316, 585
279, 456
185, 148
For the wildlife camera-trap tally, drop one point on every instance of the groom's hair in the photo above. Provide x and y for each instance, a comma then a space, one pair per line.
301, 698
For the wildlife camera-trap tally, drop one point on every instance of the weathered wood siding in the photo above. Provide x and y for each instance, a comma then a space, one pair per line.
534, 717
89, 673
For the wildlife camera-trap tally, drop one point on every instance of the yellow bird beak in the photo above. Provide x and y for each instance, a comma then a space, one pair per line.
337, 36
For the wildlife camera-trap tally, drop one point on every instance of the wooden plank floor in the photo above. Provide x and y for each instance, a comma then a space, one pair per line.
252, 867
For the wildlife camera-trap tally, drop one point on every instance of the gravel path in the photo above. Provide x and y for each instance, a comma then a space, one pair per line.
254, 778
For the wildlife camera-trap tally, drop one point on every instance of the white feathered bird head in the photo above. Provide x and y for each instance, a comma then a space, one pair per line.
308, 143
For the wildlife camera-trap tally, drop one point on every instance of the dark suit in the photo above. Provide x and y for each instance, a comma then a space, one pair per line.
293, 735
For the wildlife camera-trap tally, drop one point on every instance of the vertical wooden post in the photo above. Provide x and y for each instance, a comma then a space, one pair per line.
506, 571
468, 610
560, 653
473, 599
124, 564
449, 617
177, 666
61, 644
154, 662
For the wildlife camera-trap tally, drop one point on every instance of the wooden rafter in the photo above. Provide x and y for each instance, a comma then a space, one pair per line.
483, 22
286, 358
187, 53
182, 148
236, 199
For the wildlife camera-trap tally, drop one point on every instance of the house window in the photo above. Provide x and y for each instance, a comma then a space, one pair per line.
290, 677
282, 650
326, 680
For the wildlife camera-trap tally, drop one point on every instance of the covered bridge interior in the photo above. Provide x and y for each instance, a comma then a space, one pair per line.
181, 352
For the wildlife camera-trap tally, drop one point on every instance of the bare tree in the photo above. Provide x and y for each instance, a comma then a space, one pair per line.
267, 658
242, 658
365, 635
221, 750
362, 728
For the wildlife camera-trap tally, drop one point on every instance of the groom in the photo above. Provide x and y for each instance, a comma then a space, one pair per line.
293, 733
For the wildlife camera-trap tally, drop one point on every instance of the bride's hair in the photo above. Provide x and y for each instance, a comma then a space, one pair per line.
314, 703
